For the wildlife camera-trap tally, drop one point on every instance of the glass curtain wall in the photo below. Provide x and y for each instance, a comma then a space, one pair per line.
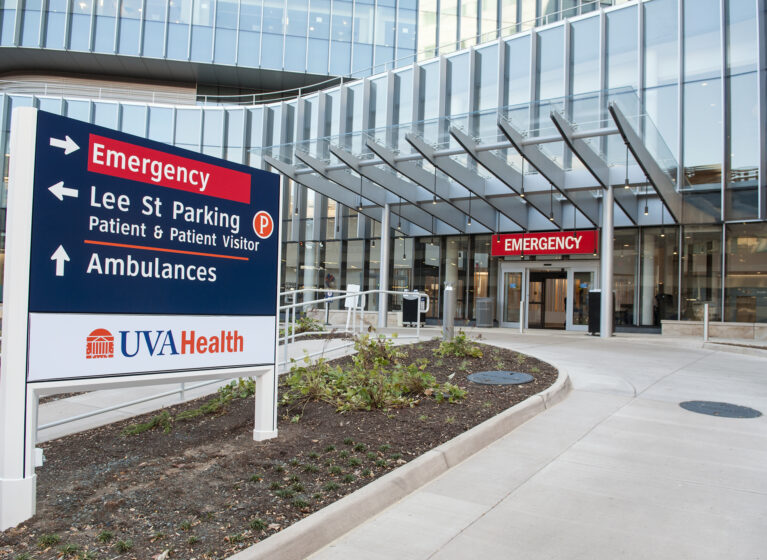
624, 274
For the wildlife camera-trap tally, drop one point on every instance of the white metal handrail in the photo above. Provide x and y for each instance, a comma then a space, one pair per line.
289, 337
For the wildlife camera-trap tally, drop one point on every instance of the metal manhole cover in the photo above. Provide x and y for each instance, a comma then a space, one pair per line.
500, 378
725, 410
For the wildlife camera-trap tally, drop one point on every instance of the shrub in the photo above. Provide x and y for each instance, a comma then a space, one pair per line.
459, 347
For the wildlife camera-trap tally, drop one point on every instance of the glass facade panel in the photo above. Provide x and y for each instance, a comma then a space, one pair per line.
662, 70
448, 26
213, 133
517, 71
104, 36
30, 29
427, 28
746, 273
105, 114
456, 257
429, 94
468, 33
659, 286
484, 273
742, 186
488, 25
161, 124
318, 61
624, 274
427, 271
7, 22
80, 110
55, 23
406, 34
80, 30
486, 85
703, 102
188, 126
179, 17
701, 272
583, 282
134, 119
154, 28
403, 101
512, 284
130, 25
584, 71
458, 68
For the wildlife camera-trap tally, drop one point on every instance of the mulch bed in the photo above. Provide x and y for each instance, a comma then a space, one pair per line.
206, 489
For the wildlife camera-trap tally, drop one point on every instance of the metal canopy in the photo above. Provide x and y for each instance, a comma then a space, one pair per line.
508, 206
659, 179
596, 166
400, 188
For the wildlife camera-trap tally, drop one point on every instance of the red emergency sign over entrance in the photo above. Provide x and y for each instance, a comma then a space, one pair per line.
548, 243
138, 163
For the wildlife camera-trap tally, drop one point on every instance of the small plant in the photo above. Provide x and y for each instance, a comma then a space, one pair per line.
297, 487
162, 420
47, 541
279, 467
450, 420
285, 493
300, 503
257, 524
348, 478
384, 448
366, 473
23, 556
192, 540
535, 369
256, 478
105, 536
294, 478
275, 486
381, 463
360, 447
185, 525
348, 441
157, 536
464, 365
371, 456
343, 454
317, 496
311, 467
314, 455
330, 448
335, 469
68, 550
330, 487
307, 324
293, 462
354, 462
423, 418
123, 546
396, 456
459, 347
237, 538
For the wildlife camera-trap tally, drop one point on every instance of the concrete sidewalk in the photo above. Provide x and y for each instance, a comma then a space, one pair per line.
617, 470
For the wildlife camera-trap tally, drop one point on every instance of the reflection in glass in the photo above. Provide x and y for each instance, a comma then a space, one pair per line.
583, 283
659, 266
746, 279
512, 283
55, 21
701, 272
624, 272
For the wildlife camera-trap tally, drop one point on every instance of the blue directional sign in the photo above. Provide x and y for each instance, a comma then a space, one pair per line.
122, 224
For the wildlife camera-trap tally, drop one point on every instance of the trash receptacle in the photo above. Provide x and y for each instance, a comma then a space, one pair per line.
410, 309
484, 312
595, 312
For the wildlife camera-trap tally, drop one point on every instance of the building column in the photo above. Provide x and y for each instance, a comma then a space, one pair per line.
383, 299
647, 287
606, 283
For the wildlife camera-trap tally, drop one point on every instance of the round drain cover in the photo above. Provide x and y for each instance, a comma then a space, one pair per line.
725, 410
500, 378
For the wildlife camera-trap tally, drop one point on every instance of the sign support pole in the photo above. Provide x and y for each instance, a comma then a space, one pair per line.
266, 405
17, 466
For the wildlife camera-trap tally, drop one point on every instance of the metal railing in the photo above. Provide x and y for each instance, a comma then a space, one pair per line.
354, 325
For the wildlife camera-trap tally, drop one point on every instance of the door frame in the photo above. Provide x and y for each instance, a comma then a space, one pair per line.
570, 267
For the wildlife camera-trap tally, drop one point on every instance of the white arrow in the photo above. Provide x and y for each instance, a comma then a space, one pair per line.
60, 191
68, 144
60, 256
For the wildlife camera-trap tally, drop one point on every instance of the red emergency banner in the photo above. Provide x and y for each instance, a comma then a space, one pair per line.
137, 163
548, 243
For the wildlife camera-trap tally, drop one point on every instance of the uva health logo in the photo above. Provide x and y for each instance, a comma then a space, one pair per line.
101, 343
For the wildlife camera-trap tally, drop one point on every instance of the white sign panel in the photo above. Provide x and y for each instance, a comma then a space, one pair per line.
76, 346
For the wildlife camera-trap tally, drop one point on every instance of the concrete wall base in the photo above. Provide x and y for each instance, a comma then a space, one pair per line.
716, 329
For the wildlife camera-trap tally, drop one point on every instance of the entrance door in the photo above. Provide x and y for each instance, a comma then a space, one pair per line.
547, 303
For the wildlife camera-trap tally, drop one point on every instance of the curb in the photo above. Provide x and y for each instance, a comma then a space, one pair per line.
744, 349
321, 528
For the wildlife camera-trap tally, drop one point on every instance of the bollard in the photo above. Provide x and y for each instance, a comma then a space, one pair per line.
521, 316
448, 312
705, 322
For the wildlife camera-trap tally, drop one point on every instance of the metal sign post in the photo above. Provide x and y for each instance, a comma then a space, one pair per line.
128, 262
